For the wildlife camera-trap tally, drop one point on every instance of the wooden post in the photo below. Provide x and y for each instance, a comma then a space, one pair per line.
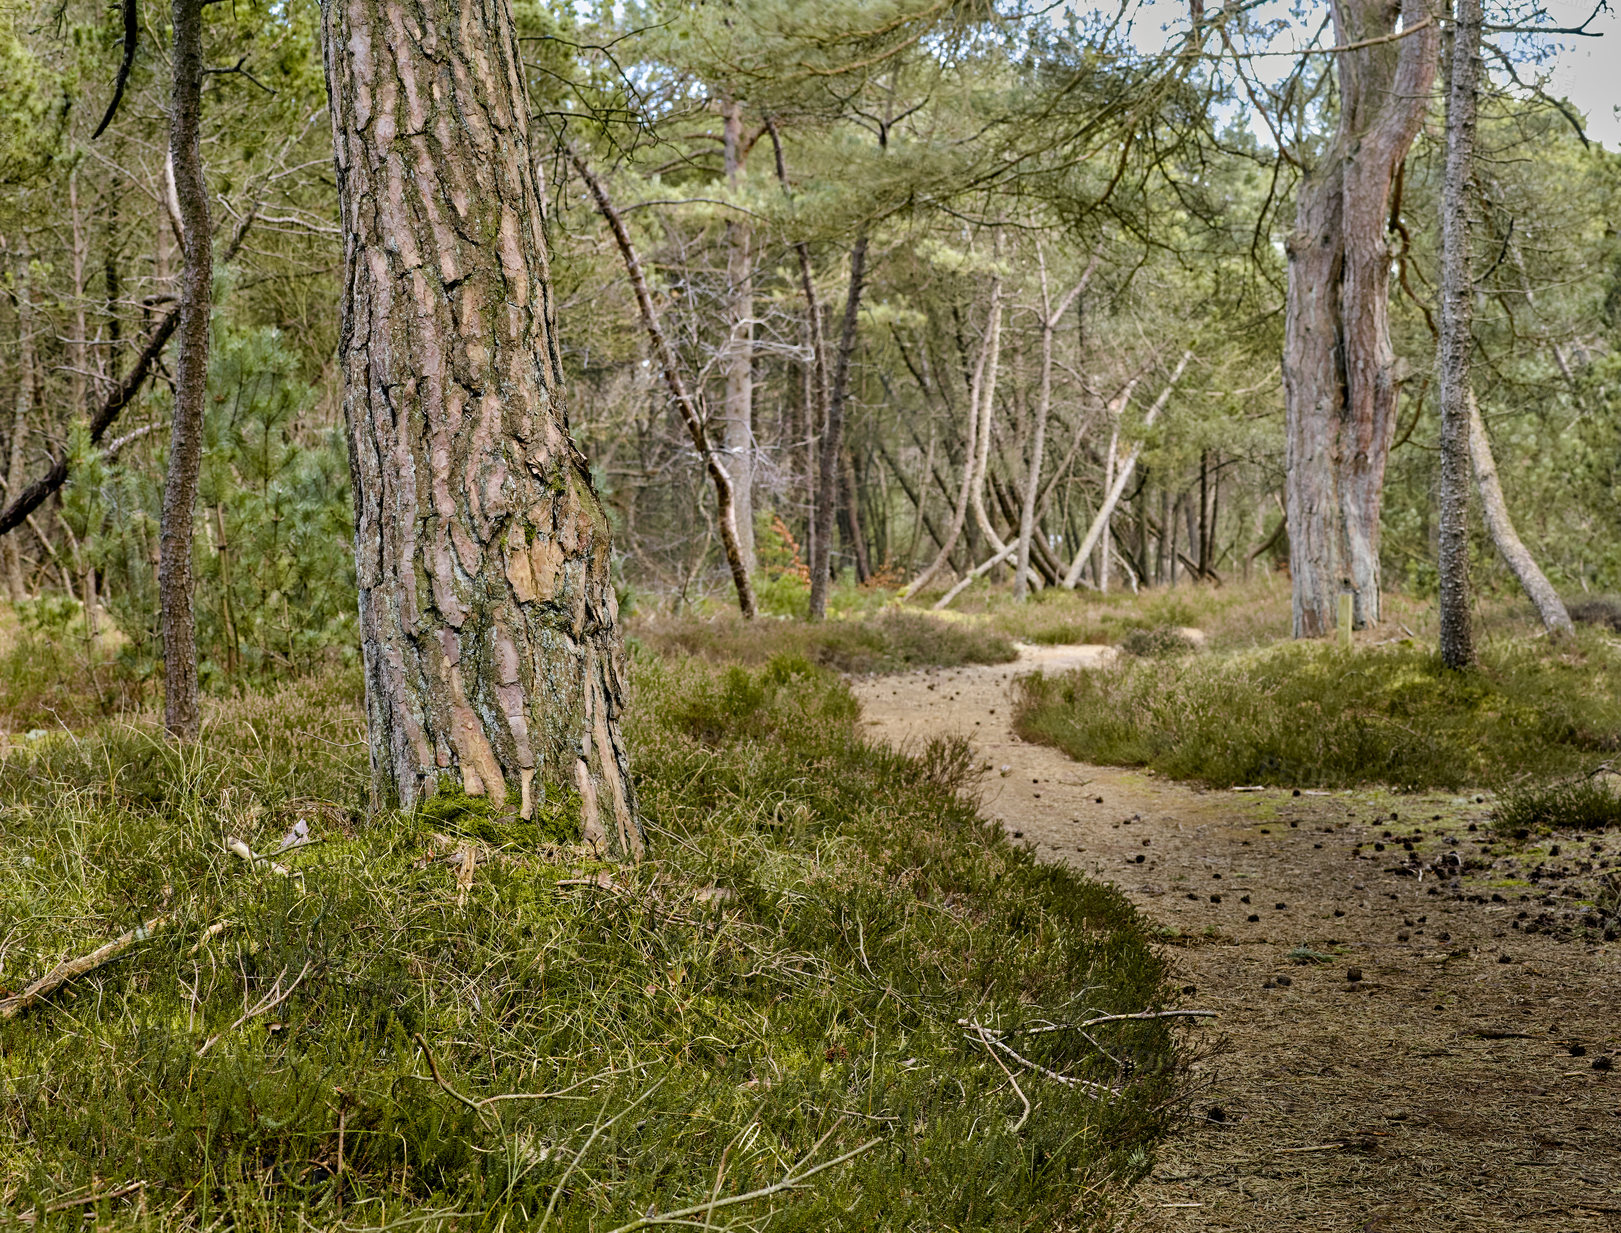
1347, 606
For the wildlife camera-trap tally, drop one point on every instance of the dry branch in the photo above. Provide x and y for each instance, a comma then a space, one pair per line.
13, 1006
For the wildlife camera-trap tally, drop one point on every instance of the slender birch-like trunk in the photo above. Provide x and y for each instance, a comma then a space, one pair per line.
177, 621
489, 623
1050, 317
22, 417
1550, 608
738, 362
1341, 377
832, 445
719, 476
1457, 342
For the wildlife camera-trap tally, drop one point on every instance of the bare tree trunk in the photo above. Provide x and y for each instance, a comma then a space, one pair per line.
1050, 317
1340, 374
22, 418
827, 487
1111, 496
719, 476
1555, 618
959, 514
853, 519
987, 415
177, 621
1457, 343
489, 624
739, 357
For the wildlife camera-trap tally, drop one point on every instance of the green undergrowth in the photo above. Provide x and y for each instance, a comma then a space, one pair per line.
790, 976
1587, 803
890, 641
1310, 715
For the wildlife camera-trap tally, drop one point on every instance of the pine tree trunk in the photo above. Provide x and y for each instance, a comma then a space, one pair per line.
1456, 344
489, 623
1340, 373
177, 621
832, 447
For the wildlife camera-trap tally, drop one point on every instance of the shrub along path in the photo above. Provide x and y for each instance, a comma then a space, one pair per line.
1462, 1082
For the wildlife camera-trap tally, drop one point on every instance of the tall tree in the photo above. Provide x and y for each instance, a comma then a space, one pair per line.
189, 203
1341, 377
1457, 342
738, 359
489, 623
22, 417
832, 444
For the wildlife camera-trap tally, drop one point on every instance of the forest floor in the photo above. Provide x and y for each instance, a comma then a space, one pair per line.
1462, 1083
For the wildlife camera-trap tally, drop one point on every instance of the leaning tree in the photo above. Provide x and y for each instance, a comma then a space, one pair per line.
1341, 376
488, 618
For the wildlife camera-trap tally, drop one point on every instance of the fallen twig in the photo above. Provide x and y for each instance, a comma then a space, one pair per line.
480, 1106
791, 1182
63, 1205
13, 1006
991, 1038
270, 1001
1018, 1091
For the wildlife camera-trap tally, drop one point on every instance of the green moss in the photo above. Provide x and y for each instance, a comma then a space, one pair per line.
791, 961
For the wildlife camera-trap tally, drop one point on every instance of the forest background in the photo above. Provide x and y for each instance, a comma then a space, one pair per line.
1073, 255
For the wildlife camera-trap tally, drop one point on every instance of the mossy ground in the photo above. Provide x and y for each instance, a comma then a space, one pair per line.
781, 983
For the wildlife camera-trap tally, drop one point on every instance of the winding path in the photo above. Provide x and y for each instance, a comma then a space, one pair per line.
1449, 1088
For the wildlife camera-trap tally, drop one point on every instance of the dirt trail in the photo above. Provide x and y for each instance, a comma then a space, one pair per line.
1449, 1088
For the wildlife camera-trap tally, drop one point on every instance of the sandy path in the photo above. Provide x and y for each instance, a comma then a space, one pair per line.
1440, 1091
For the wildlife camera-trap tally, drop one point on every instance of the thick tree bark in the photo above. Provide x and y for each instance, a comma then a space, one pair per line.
719, 475
22, 417
739, 357
832, 446
1555, 617
176, 619
1454, 353
1340, 373
488, 619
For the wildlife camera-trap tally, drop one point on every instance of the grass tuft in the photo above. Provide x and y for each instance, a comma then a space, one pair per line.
1590, 803
895, 640
1310, 715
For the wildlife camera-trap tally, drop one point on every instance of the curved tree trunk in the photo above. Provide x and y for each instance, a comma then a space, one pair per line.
488, 618
190, 205
1555, 617
719, 476
1340, 373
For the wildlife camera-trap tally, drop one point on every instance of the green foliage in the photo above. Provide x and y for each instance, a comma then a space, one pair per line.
1309, 715
1590, 803
793, 961
892, 641
1161, 642
274, 545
